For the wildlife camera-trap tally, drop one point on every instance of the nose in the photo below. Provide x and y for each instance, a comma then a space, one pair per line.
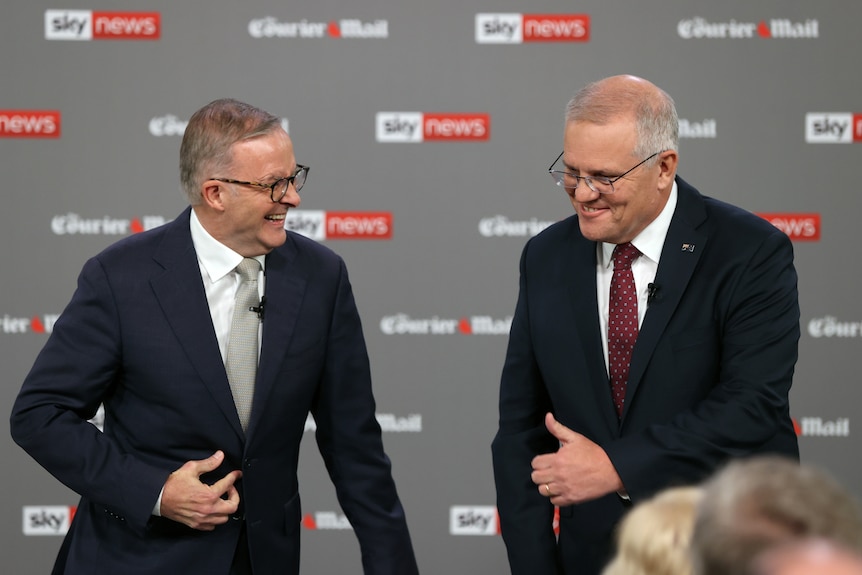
586, 191
291, 197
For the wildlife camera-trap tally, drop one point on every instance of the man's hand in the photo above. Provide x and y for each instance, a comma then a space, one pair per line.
187, 500
579, 471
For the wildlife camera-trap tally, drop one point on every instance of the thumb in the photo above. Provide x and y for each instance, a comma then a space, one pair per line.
211, 463
558, 430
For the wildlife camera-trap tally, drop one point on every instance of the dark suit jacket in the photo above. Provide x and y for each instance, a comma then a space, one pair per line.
709, 380
138, 337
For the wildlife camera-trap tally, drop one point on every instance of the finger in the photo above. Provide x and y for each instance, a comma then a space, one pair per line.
211, 463
539, 477
558, 430
233, 496
226, 483
543, 461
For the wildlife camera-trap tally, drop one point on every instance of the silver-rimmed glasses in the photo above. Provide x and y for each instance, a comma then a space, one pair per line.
600, 184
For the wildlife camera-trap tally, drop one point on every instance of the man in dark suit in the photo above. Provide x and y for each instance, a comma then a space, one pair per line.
186, 478
712, 333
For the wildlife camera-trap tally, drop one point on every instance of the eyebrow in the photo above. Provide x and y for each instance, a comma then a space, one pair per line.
599, 174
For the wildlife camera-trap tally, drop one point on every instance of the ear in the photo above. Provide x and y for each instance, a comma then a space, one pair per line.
667, 162
213, 194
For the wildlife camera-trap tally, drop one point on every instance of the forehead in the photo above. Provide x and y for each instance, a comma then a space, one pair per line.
266, 152
588, 146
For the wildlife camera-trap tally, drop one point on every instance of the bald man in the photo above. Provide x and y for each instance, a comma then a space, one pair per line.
654, 337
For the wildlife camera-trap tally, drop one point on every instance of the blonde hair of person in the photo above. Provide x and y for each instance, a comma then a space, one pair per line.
653, 539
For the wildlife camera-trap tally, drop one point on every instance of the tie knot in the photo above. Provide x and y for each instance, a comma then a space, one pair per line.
624, 255
248, 269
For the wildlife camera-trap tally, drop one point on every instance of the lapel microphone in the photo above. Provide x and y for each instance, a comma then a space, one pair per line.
261, 307
652, 292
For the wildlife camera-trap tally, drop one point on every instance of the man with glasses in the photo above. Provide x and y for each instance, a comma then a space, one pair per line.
209, 340
654, 338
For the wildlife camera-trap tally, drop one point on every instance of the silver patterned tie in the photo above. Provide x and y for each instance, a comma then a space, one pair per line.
242, 346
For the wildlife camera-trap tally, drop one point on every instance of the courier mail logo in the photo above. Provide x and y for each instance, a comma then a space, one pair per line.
523, 28
29, 124
320, 225
326, 520
404, 127
92, 25
833, 128
10, 324
799, 227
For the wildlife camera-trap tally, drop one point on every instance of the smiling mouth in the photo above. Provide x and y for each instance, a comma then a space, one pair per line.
276, 217
590, 209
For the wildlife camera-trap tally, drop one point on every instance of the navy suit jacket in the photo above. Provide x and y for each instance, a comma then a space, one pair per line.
709, 377
138, 337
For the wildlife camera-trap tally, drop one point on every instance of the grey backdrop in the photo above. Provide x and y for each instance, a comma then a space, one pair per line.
756, 108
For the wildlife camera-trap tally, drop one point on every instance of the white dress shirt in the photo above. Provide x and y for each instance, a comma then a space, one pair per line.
221, 282
649, 242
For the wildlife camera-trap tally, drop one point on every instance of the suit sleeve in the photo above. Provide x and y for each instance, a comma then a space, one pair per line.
349, 439
747, 407
526, 518
77, 368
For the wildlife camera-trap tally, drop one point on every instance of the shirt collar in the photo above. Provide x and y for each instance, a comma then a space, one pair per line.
651, 240
216, 258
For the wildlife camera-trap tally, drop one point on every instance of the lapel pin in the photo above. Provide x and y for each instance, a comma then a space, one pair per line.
688, 247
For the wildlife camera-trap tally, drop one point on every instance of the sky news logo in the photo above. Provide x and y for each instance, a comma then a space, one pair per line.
833, 128
401, 127
92, 25
29, 124
270, 27
523, 28
320, 225
799, 227
703, 29
41, 520
473, 520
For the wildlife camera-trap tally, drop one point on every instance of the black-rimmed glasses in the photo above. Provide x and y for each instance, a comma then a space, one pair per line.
600, 184
277, 189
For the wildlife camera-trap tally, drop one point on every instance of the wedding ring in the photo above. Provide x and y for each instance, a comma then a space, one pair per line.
548, 489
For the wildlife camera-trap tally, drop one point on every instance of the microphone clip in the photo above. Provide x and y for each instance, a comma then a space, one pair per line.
652, 292
259, 308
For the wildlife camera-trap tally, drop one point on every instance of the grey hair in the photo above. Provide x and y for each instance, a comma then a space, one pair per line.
654, 112
209, 136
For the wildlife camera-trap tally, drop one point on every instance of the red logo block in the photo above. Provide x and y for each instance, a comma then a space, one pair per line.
456, 126
556, 27
127, 25
799, 227
358, 225
29, 124
857, 127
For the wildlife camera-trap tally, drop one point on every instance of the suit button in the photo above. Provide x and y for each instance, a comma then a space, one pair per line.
247, 464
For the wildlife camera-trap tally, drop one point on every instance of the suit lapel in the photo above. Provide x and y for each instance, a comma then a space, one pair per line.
682, 250
180, 292
285, 288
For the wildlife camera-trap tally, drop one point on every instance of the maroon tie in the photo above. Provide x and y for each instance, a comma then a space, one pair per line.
622, 321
